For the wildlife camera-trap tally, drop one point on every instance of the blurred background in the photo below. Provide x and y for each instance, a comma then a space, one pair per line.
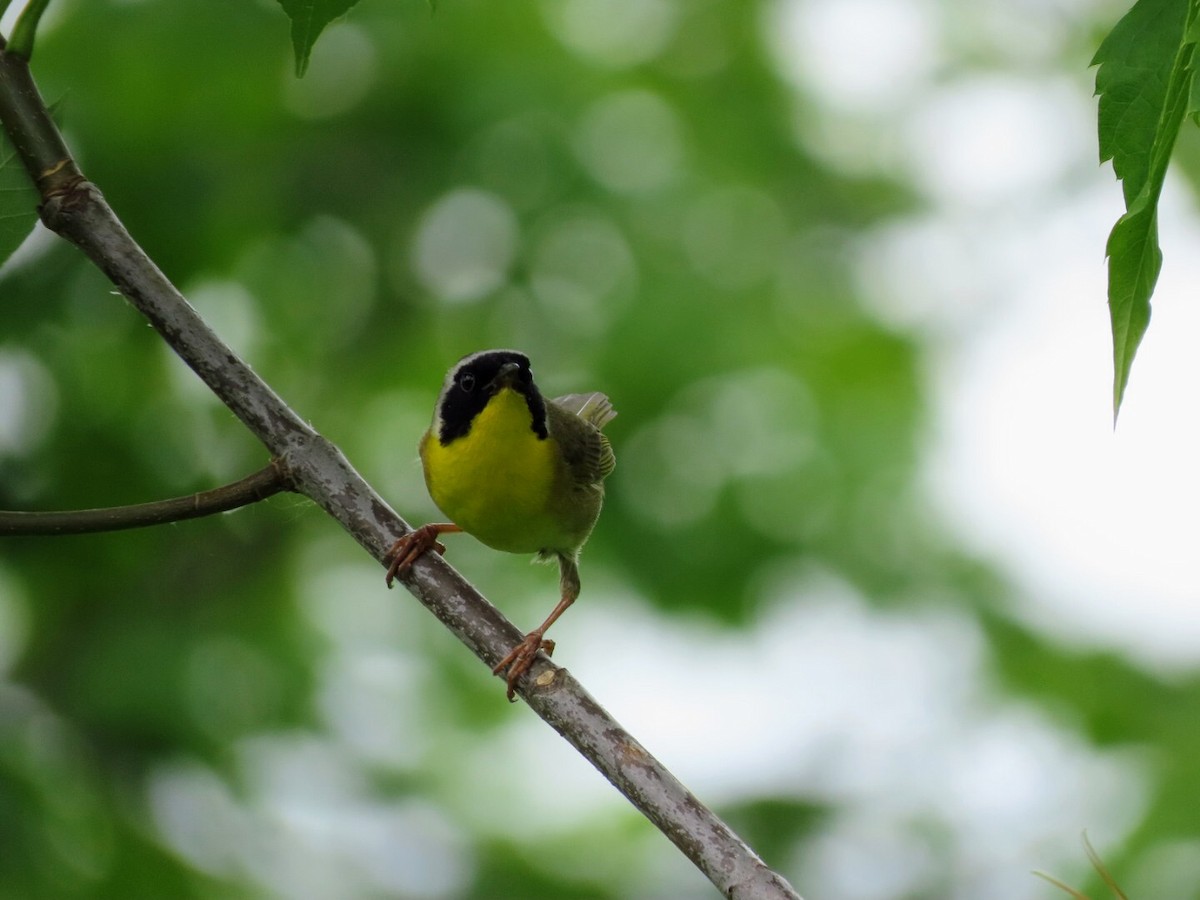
876, 577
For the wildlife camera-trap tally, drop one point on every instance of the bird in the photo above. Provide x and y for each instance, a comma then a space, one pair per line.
516, 471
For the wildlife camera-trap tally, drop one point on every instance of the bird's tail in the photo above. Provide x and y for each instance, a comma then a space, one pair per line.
595, 407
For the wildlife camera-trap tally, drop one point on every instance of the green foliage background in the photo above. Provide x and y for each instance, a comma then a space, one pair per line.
176, 699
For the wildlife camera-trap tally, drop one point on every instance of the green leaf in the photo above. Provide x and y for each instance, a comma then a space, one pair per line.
1134, 261
18, 199
1136, 61
1145, 84
309, 18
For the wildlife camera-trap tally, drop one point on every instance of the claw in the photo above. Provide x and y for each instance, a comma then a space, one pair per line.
520, 658
411, 546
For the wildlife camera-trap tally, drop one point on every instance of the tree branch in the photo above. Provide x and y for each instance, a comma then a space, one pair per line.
264, 483
75, 209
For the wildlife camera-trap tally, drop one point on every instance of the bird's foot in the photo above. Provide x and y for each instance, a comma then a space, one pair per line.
406, 550
520, 658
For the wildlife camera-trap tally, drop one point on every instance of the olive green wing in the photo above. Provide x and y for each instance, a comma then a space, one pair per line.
576, 420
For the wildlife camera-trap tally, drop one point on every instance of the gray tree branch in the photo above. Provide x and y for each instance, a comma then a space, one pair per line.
74, 208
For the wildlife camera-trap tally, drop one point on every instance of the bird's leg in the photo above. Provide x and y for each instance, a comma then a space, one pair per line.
521, 657
406, 550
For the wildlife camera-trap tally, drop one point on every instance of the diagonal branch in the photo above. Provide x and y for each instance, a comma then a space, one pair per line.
75, 209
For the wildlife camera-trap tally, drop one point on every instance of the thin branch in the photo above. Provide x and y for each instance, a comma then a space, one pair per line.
318, 469
1101, 869
33, 133
264, 483
1075, 895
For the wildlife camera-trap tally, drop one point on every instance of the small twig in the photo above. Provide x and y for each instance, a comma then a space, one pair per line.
26, 27
32, 131
1062, 886
1101, 870
264, 483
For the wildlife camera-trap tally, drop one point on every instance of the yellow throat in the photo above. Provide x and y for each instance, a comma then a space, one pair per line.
496, 481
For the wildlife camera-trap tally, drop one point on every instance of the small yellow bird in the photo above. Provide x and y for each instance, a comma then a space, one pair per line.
518, 473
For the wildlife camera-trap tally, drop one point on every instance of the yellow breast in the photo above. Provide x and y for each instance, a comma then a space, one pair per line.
496, 482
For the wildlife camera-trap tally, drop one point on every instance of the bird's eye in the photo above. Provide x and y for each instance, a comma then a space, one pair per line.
526, 376
466, 381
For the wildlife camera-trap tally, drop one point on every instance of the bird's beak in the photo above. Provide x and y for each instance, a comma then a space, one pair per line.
506, 377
